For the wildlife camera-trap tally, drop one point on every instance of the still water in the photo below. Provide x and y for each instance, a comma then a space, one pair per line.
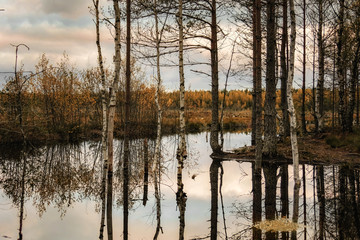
60, 186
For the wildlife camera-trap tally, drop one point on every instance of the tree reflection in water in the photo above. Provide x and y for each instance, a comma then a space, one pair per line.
61, 175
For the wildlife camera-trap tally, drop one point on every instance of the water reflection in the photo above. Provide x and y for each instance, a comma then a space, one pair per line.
63, 182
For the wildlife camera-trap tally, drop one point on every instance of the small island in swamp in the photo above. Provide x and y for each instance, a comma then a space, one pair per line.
180, 120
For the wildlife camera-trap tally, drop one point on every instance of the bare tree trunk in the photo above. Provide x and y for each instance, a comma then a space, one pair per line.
270, 170
269, 148
304, 195
353, 83
214, 135
319, 104
321, 198
22, 196
157, 161
303, 116
284, 196
181, 154
284, 70
256, 177
293, 134
126, 177
340, 66
146, 172
104, 145
214, 181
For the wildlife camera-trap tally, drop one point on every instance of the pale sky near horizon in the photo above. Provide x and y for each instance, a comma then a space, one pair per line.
54, 27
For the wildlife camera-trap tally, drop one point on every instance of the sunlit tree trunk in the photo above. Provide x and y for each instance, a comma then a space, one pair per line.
181, 154
293, 134
270, 139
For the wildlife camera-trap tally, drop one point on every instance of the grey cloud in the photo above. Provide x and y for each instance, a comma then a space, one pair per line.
67, 8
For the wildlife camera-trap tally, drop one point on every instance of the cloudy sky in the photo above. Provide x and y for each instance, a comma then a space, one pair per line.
57, 26
46, 26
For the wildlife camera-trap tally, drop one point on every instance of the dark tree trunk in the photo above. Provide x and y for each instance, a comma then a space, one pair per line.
214, 182
303, 115
284, 196
146, 172
126, 177
340, 66
284, 70
353, 83
269, 148
257, 195
342, 202
256, 176
321, 199
319, 105
270, 170
214, 135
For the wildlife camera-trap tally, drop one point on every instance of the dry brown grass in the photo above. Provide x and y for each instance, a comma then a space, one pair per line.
279, 225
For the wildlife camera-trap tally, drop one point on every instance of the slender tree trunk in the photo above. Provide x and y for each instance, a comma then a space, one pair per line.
321, 199
146, 171
293, 134
353, 83
319, 100
269, 148
284, 196
303, 115
214, 182
104, 145
354, 205
340, 66
342, 202
157, 162
22, 196
304, 195
333, 91
126, 177
256, 176
181, 155
214, 135
111, 117
284, 69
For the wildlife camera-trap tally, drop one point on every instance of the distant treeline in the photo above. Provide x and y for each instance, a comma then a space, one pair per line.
61, 102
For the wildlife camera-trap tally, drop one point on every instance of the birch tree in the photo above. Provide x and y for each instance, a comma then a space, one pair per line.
293, 134
181, 154
108, 115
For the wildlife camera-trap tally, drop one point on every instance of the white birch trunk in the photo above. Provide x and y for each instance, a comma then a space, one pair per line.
293, 135
181, 154
104, 121
157, 161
